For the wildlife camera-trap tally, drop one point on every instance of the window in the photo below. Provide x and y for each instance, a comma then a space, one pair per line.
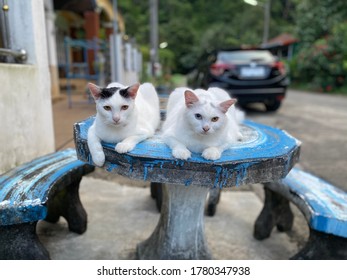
6, 53
3, 28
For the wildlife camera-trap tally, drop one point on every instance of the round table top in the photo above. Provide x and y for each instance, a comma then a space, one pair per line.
265, 154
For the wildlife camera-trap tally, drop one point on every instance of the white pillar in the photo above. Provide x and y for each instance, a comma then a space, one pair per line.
52, 48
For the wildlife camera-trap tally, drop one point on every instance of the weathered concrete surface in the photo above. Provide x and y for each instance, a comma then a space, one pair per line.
26, 127
265, 154
179, 233
121, 216
25, 99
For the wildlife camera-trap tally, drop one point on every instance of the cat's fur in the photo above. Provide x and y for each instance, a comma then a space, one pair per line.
201, 121
125, 115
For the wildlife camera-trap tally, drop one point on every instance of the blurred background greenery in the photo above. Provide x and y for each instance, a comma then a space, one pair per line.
192, 27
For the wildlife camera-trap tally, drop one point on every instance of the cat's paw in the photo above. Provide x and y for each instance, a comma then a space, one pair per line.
211, 153
98, 158
181, 153
124, 147
239, 136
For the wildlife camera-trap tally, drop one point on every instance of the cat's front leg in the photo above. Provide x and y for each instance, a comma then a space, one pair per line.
95, 148
179, 150
212, 153
129, 143
181, 153
215, 152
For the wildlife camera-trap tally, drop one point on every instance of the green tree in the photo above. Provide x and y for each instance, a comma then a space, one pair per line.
194, 26
316, 18
322, 30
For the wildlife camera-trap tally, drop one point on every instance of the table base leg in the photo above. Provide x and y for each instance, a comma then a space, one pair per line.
20, 242
180, 230
67, 203
276, 212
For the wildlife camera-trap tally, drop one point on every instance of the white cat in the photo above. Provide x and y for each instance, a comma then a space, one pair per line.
125, 115
200, 121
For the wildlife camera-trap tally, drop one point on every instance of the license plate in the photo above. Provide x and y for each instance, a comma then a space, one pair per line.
253, 72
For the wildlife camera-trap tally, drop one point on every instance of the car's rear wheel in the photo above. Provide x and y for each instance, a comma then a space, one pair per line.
272, 105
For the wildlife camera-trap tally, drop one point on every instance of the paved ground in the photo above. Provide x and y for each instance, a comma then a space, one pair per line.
121, 216
319, 122
65, 117
121, 213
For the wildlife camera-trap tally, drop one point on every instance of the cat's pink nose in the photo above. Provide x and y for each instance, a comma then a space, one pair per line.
116, 119
206, 128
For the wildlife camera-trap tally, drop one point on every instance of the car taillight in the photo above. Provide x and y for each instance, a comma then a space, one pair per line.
279, 65
218, 69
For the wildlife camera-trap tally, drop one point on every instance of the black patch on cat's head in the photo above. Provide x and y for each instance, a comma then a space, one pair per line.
108, 92
124, 92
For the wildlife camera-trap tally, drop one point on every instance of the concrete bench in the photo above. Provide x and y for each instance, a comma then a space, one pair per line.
45, 188
323, 205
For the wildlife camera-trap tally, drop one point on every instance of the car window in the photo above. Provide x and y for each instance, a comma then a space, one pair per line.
244, 56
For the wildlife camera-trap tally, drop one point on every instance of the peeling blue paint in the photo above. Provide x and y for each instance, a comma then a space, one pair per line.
111, 167
224, 174
219, 170
188, 182
17, 174
24, 190
327, 204
260, 143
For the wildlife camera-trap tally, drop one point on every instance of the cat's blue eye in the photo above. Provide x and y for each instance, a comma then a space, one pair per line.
107, 108
198, 116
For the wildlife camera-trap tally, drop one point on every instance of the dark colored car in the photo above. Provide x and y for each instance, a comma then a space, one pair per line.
248, 75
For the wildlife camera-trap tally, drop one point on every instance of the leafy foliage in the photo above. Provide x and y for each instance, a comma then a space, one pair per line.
194, 26
322, 30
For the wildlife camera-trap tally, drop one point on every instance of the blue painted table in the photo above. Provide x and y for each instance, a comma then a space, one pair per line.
266, 154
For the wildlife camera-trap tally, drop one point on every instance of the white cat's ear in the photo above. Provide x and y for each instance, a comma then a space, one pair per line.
132, 90
190, 98
224, 106
95, 90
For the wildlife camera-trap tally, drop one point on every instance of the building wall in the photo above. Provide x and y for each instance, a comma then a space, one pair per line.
52, 49
25, 92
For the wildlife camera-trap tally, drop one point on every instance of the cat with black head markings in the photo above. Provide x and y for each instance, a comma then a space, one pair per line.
125, 115
201, 121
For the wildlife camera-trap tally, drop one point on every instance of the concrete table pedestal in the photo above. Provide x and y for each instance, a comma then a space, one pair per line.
181, 224
265, 154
